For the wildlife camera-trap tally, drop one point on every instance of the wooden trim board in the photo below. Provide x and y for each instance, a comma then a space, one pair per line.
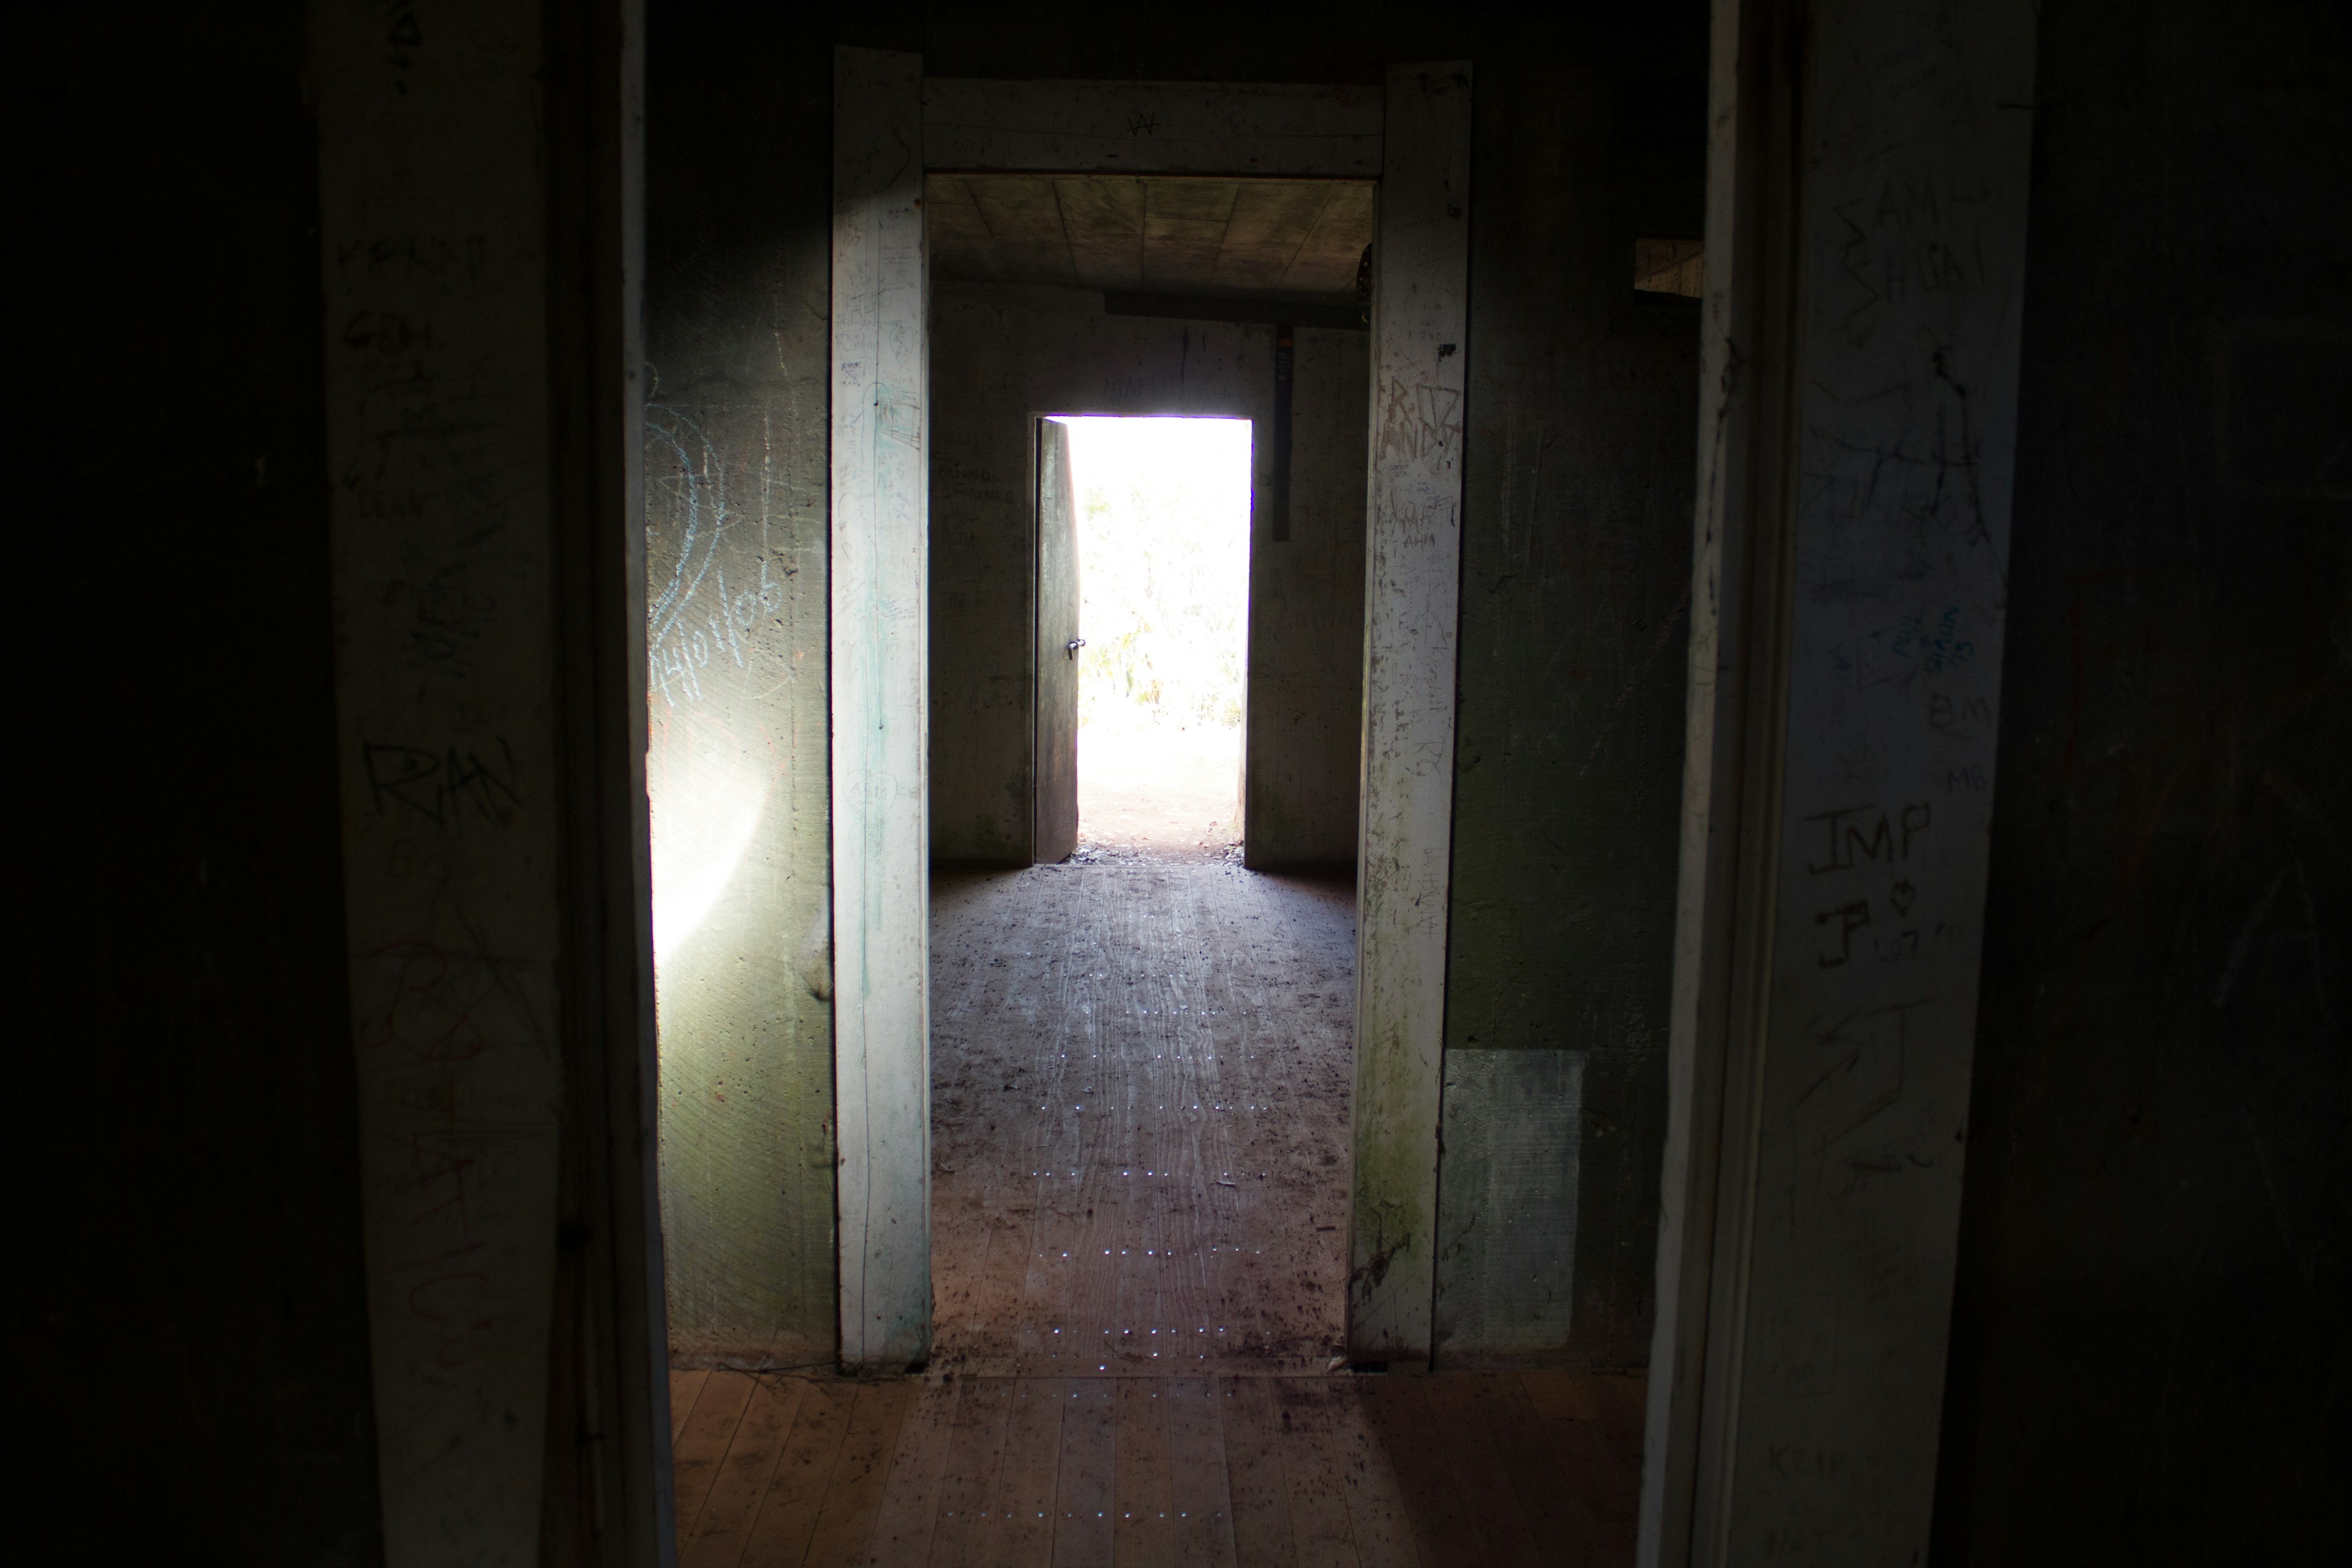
1153, 128
1866, 255
1416, 136
1411, 613
434, 203
880, 593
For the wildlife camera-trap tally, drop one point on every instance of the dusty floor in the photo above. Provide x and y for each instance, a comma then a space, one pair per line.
1159, 789
1140, 1082
1491, 1469
1140, 1074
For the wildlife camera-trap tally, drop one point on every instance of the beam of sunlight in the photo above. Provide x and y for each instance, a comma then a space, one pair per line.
699, 836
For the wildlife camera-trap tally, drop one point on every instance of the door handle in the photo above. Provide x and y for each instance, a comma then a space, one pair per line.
1070, 651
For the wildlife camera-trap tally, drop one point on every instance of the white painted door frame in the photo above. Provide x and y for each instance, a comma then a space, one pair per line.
1865, 259
881, 709
889, 125
1412, 610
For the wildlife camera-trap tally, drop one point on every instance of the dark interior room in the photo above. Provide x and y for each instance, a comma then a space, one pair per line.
1052, 784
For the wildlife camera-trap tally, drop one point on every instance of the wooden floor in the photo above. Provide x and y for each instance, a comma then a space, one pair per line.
1141, 1069
1457, 1468
1141, 1076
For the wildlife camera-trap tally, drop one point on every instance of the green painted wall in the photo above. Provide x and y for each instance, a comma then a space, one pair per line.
1576, 564
739, 179
1307, 621
2148, 1357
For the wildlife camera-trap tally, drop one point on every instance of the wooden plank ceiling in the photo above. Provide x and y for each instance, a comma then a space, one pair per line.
1291, 240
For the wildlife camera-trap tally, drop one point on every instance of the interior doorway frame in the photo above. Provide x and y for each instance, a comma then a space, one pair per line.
892, 126
1700, 1504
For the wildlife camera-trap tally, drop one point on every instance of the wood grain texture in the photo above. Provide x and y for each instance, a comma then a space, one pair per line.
1143, 1531
1561, 1518
906, 1521
685, 1385
1420, 322
1835, 846
1141, 1099
1475, 1462
1199, 1484
862, 1468
1084, 1490
1029, 1481
880, 722
1180, 128
1055, 768
716, 1536
1114, 233
1237, 1472
1314, 1473
804, 1473
974, 1469
1513, 1125
737, 549
1254, 1473
1442, 1526
703, 1441
453, 790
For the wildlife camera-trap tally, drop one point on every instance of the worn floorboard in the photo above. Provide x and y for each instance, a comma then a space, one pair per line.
1140, 1072
1141, 1076
1255, 1472
740, 1486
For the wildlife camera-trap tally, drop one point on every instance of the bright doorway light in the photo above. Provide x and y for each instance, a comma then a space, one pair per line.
1163, 589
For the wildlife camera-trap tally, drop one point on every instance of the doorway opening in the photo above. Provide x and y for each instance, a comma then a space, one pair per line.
1159, 512
1141, 1051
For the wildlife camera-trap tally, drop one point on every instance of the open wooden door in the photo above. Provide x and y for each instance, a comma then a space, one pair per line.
1057, 647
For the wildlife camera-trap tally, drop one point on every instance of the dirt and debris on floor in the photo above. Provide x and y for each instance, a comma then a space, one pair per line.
1140, 1075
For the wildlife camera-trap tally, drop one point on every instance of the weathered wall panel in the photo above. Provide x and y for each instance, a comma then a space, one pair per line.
432, 231
1507, 1204
2147, 1351
1576, 567
1413, 559
736, 302
881, 736
1862, 314
1307, 621
1907, 411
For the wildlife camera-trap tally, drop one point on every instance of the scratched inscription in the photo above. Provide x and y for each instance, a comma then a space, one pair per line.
1912, 242
432, 236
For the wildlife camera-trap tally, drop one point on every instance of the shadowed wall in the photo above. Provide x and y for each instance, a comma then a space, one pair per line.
191, 1318
2148, 1357
739, 181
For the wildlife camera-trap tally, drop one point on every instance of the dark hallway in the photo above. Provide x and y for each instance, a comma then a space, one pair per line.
1838, 1051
